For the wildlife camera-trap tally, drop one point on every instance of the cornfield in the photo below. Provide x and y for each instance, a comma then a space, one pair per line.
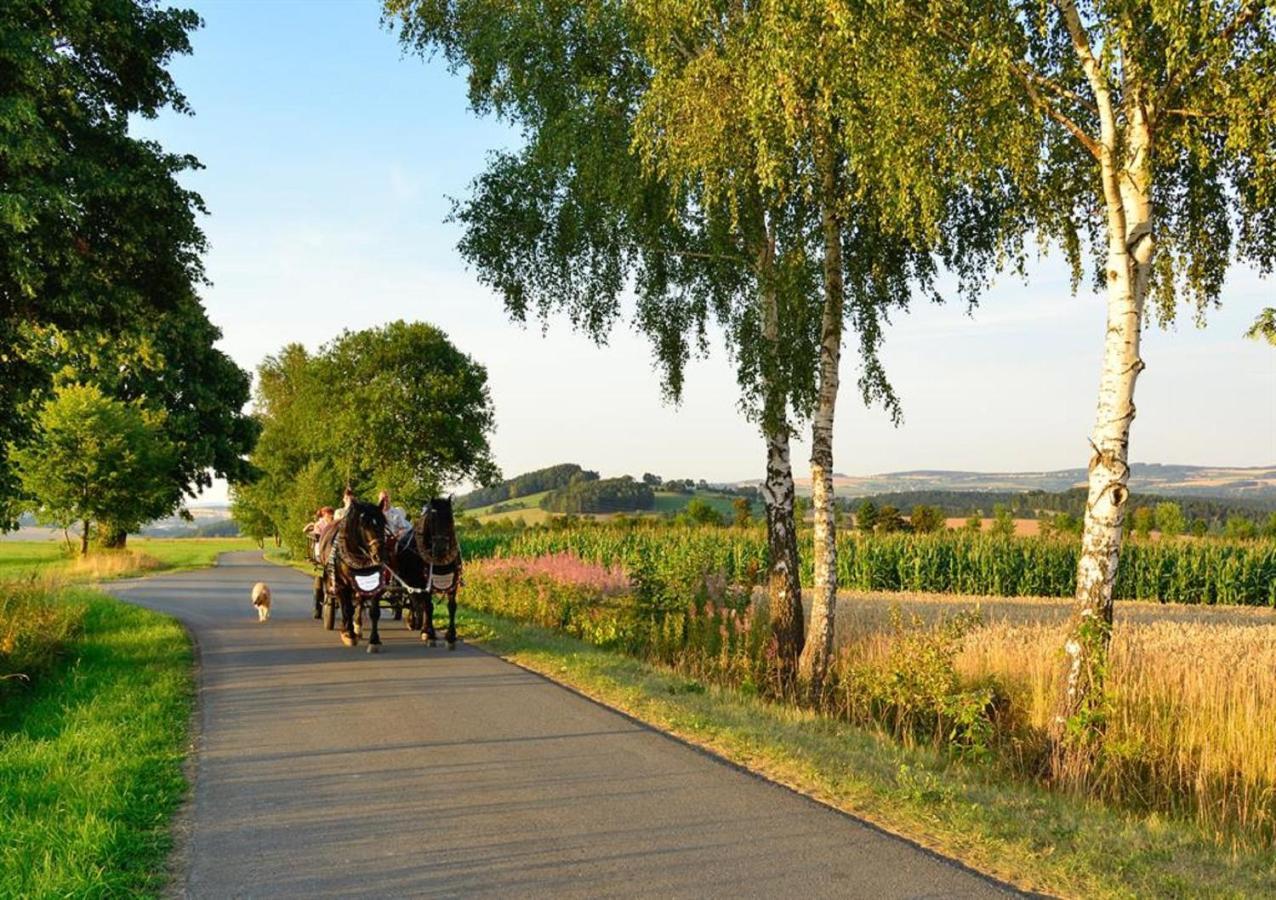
1185, 571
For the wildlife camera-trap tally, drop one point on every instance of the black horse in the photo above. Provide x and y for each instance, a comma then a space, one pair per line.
355, 571
428, 560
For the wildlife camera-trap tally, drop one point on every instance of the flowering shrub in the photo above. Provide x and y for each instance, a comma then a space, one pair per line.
564, 568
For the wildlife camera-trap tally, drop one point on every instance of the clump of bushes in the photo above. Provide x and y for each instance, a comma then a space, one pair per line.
915, 692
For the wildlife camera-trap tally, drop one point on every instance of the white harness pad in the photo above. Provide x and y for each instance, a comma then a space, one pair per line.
368, 583
443, 582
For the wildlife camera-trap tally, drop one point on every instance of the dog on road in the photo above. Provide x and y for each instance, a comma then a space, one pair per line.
261, 600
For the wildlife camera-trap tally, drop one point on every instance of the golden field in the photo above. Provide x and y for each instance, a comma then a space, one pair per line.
1192, 717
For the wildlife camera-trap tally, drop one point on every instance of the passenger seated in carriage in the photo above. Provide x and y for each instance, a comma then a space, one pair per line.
315, 530
396, 520
347, 497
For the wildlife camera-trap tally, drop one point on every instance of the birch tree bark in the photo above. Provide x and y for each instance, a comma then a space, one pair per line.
818, 650
783, 580
1123, 151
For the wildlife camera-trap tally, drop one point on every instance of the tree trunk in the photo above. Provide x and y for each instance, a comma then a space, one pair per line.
113, 537
84, 539
819, 641
785, 588
1079, 723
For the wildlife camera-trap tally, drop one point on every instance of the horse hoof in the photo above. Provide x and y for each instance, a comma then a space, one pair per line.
374, 648
349, 640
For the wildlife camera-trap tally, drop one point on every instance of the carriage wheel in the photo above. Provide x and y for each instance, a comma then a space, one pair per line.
415, 615
329, 614
318, 596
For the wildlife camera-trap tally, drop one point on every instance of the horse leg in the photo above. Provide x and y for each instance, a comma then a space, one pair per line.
374, 613
349, 636
429, 634
451, 620
358, 617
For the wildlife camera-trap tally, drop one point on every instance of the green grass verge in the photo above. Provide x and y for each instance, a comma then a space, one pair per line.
1021, 833
23, 559
91, 758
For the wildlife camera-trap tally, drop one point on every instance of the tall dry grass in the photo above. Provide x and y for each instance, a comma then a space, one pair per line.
108, 564
1192, 706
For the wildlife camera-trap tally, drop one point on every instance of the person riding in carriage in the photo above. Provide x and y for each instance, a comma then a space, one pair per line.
396, 520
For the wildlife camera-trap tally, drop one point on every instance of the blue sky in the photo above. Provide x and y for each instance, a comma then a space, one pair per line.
329, 160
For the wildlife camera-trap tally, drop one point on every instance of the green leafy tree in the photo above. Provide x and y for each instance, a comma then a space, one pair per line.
584, 210
975, 524
1239, 528
1199, 528
168, 360
926, 519
1003, 521
1143, 133
1061, 524
1169, 519
95, 230
701, 512
741, 512
95, 459
1144, 522
396, 407
866, 516
889, 520
773, 107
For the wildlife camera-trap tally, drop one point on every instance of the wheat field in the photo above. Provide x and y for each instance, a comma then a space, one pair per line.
1192, 716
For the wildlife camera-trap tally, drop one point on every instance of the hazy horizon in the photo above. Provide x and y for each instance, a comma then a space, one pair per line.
330, 159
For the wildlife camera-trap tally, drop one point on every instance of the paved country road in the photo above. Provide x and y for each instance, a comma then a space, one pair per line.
326, 772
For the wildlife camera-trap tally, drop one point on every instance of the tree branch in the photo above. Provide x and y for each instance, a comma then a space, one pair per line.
1248, 11
1053, 112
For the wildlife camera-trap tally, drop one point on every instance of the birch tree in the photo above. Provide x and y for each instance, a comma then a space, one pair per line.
1145, 131
773, 97
575, 216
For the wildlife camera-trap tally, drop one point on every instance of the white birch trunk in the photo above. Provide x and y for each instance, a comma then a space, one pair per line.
784, 586
818, 651
1123, 161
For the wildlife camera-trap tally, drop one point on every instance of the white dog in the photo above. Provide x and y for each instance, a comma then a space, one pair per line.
261, 600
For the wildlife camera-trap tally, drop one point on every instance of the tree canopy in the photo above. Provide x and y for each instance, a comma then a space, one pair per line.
95, 229
95, 459
396, 407
169, 362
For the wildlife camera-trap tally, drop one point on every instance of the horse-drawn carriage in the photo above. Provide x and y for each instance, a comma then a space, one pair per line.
360, 566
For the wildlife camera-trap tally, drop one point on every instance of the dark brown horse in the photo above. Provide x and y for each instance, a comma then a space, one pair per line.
355, 571
429, 561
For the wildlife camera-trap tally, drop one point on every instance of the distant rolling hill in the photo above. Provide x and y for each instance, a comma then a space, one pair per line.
1256, 484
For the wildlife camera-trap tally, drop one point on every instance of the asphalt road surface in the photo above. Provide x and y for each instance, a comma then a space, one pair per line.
323, 771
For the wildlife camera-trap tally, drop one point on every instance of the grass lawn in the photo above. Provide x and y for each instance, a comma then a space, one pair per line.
91, 757
1018, 832
22, 559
